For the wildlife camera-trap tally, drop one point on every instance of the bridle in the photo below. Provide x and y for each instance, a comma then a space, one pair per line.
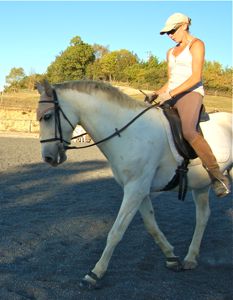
58, 136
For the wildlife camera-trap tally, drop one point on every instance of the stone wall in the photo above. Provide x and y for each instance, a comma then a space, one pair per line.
18, 120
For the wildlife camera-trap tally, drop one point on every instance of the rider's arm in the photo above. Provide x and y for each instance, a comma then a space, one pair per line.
198, 54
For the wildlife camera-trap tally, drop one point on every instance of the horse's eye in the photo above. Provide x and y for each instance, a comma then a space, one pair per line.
47, 117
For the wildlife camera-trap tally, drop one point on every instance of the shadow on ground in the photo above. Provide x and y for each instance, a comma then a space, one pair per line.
53, 228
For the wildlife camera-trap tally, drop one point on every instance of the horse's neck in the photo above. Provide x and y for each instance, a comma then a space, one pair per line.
99, 117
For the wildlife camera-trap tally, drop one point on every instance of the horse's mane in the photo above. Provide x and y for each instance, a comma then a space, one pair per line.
111, 93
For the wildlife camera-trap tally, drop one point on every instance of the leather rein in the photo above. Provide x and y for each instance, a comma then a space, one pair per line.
58, 136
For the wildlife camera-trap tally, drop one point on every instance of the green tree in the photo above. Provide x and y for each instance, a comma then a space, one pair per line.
217, 80
94, 70
135, 74
28, 82
100, 51
114, 63
156, 73
150, 74
14, 78
72, 63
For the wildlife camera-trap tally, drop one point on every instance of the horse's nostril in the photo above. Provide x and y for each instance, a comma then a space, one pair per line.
48, 159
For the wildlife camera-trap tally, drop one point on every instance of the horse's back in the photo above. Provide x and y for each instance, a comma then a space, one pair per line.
218, 132
223, 119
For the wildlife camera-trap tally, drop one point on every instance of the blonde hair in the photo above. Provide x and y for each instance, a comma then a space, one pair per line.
189, 23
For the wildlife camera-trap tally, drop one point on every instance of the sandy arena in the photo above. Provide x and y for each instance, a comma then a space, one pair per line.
54, 223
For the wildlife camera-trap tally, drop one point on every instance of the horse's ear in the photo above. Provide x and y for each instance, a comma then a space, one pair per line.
48, 88
39, 87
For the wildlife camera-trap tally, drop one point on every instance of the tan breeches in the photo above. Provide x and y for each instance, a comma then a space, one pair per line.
188, 107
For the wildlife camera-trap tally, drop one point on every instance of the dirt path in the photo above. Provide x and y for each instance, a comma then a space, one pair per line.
54, 223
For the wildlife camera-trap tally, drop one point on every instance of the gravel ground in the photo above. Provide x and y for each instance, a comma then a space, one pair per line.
54, 223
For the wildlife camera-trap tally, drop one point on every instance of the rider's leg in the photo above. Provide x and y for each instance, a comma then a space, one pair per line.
220, 183
188, 108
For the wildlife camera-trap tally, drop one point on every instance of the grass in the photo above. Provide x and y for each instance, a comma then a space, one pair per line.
20, 100
218, 103
30, 99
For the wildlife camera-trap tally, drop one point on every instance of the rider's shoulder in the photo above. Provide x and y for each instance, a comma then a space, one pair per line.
169, 51
196, 43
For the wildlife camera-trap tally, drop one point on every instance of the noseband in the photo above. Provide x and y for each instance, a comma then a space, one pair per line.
58, 136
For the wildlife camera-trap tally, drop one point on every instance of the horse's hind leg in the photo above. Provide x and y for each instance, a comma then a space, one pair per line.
147, 212
201, 199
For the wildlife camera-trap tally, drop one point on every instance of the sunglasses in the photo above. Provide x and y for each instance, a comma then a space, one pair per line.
173, 31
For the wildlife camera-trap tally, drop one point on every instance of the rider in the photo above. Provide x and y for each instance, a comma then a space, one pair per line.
185, 92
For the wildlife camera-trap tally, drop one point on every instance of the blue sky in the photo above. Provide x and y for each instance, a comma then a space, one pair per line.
33, 33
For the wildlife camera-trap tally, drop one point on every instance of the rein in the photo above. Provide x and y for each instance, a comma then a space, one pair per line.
116, 133
58, 112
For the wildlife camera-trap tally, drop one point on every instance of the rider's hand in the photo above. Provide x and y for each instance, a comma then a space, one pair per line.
150, 98
164, 97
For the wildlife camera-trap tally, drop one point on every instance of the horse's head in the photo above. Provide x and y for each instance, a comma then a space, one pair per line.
55, 130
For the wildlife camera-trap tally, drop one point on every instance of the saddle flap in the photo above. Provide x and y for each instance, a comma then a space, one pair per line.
182, 146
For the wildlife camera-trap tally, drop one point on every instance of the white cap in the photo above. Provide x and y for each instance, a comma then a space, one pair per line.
173, 21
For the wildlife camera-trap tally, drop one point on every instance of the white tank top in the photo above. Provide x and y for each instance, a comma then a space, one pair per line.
181, 69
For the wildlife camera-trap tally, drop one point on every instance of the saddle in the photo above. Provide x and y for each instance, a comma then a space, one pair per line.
183, 148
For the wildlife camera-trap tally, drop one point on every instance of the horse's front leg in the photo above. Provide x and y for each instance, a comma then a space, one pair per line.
201, 199
147, 212
132, 199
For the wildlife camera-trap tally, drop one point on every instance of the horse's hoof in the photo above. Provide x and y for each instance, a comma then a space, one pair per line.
174, 264
90, 282
189, 265
86, 285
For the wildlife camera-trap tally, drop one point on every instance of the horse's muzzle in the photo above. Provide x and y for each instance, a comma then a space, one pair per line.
59, 158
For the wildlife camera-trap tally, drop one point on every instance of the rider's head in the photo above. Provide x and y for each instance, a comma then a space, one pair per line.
175, 22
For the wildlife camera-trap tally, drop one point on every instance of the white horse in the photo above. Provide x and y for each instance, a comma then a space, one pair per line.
142, 158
